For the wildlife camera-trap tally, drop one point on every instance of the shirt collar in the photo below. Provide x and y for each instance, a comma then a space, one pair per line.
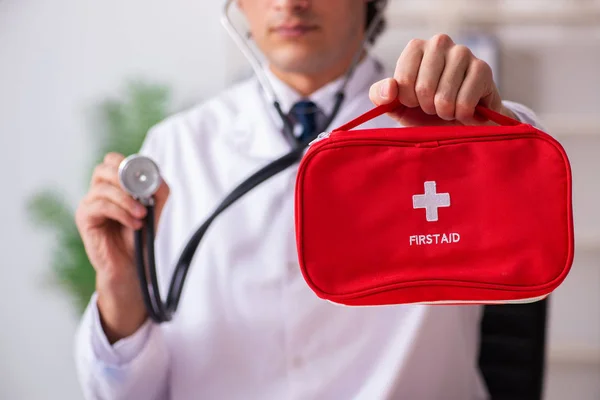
254, 130
324, 97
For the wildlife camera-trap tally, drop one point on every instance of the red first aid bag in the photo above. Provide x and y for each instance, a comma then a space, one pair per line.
435, 215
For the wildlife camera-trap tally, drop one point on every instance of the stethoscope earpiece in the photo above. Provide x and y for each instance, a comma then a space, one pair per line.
140, 177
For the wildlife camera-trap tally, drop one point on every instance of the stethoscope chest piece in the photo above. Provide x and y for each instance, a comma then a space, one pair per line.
140, 177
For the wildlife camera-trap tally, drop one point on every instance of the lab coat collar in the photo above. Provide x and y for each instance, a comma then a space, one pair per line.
324, 97
258, 130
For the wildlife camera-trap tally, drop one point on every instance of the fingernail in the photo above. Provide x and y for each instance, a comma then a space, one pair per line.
383, 89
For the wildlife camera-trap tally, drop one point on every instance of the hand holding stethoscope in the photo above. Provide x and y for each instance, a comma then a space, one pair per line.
106, 219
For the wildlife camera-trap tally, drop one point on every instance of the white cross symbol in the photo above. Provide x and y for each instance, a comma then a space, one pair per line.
431, 201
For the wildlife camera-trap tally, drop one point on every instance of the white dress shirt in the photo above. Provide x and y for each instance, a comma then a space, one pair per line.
248, 326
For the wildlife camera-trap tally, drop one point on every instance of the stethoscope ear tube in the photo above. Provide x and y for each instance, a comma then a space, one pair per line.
141, 270
155, 307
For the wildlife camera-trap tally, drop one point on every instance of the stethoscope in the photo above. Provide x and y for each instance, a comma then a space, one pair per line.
140, 177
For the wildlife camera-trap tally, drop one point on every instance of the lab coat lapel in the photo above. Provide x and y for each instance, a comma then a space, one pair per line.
256, 132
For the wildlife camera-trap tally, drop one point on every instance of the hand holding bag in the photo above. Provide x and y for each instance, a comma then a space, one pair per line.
435, 215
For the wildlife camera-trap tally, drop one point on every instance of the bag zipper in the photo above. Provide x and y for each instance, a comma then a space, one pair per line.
431, 143
321, 136
517, 133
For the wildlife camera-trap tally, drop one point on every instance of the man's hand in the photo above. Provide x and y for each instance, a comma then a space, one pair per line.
439, 83
106, 219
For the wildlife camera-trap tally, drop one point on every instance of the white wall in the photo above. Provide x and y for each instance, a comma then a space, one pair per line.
57, 59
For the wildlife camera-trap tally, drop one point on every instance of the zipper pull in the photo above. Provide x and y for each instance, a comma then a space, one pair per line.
321, 136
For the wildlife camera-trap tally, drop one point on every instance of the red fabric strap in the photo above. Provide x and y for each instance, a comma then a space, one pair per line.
385, 108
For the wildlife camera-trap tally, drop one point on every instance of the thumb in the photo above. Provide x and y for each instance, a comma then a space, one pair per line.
384, 92
160, 199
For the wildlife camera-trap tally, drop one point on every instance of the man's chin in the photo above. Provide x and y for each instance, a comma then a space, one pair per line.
294, 61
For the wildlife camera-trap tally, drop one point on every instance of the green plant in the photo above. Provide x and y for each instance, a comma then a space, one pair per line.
123, 126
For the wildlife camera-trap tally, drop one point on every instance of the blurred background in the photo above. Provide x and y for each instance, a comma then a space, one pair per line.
79, 77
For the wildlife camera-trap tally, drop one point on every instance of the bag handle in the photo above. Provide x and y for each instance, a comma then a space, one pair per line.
385, 108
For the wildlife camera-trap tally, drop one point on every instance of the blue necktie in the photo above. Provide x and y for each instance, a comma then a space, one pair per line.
305, 113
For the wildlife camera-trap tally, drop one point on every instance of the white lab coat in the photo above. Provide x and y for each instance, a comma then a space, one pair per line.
248, 327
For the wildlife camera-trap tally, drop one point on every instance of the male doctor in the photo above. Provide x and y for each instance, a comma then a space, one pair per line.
248, 326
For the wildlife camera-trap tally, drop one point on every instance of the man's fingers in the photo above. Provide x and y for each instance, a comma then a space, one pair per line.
101, 209
383, 92
106, 172
473, 89
119, 197
113, 159
161, 196
457, 62
407, 69
430, 72
106, 191
439, 83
